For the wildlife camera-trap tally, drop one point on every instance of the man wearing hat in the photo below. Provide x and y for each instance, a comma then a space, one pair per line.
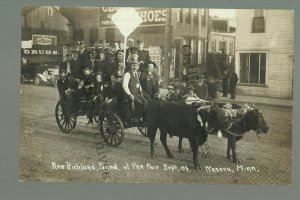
131, 49
65, 65
171, 96
190, 95
144, 56
149, 81
132, 86
75, 67
109, 66
201, 89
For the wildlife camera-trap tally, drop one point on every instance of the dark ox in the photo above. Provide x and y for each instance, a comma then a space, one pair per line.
176, 120
252, 120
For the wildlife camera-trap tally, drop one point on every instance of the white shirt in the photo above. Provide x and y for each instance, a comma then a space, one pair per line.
126, 82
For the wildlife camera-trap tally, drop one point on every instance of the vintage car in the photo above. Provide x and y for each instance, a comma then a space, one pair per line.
40, 73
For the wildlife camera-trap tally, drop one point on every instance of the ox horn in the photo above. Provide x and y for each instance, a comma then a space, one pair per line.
252, 105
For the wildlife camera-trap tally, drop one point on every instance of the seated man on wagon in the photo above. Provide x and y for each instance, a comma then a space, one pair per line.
95, 103
117, 101
133, 89
63, 83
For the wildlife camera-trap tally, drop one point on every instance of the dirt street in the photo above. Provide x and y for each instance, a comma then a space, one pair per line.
47, 154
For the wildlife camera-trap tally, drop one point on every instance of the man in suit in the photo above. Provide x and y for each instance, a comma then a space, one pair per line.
144, 56
150, 85
233, 79
75, 67
65, 65
201, 90
225, 82
131, 49
109, 66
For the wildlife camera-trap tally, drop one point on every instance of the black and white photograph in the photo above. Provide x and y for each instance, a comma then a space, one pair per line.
156, 95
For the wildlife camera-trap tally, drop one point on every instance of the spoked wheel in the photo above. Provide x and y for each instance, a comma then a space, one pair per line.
37, 80
66, 122
112, 129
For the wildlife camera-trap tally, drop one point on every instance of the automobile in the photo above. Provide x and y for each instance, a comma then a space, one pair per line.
40, 73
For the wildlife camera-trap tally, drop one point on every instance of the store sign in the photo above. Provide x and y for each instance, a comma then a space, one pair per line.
39, 52
44, 40
150, 16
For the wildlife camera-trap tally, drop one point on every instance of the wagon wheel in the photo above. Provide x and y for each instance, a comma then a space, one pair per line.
143, 128
65, 121
112, 129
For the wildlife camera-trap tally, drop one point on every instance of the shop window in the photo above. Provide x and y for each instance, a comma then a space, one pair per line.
258, 21
253, 68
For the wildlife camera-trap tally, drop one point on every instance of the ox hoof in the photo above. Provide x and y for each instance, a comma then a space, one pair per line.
180, 150
197, 167
170, 155
153, 156
229, 157
235, 160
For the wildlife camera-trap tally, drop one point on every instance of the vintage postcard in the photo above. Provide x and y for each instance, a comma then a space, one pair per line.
156, 95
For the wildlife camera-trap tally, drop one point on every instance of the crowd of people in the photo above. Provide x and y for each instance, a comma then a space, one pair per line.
100, 77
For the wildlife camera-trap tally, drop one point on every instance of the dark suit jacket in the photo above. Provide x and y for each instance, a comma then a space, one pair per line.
202, 91
75, 69
143, 56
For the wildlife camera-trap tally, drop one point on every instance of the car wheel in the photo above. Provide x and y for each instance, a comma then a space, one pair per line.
55, 82
37, 80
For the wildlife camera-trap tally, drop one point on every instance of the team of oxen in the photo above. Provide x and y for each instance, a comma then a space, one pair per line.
196, 122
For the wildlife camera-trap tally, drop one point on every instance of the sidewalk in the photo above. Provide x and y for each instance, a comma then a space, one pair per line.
288, 103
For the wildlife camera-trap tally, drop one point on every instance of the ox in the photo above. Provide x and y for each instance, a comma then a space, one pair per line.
252, 119
176, 120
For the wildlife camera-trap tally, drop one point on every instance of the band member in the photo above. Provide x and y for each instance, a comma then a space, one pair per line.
109, 67
144, 56
171, 96
149, 82
132, 87
65, 65
233, 79
131, 49
225, 83
201, 89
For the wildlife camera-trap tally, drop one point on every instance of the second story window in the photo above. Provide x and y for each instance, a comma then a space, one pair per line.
50, 11
180, 15
258, 21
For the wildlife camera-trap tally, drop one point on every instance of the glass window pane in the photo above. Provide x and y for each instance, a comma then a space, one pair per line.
263, 68
258, 13
254, 67
244, 67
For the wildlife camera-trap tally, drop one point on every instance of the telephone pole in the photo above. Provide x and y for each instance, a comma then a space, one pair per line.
167, 54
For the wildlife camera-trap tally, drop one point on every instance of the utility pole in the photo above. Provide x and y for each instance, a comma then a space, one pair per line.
167, 54
207, 37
